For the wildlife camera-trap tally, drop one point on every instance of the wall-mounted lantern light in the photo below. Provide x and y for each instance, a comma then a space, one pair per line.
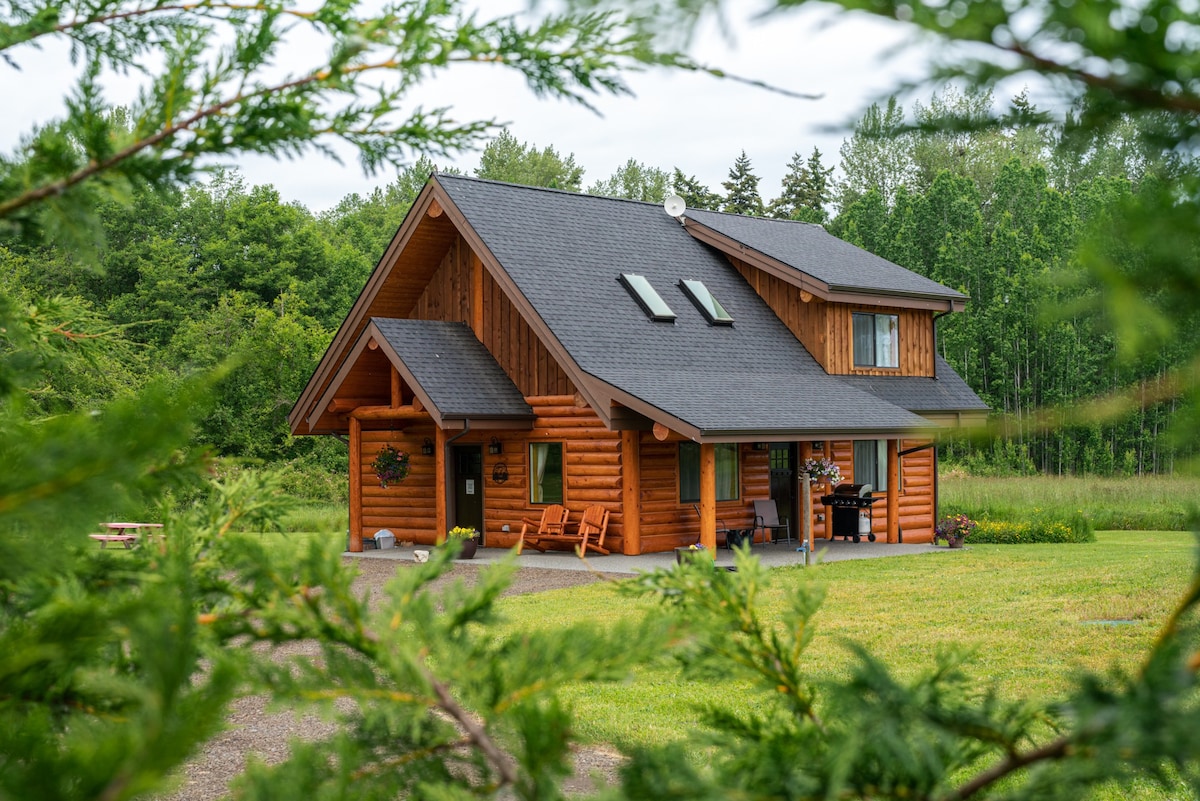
494, 446
427, 447
761, 446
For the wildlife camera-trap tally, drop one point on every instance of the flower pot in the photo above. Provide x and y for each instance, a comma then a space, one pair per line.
469, 546
954, 542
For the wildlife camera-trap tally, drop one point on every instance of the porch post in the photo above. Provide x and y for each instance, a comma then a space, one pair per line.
893, 490
439, 483
803, 454
708, 497
356, 497
631, 492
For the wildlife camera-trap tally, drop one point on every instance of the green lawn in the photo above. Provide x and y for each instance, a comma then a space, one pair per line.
1029, 614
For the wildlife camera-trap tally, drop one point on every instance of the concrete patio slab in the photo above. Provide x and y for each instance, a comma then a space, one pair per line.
781, 555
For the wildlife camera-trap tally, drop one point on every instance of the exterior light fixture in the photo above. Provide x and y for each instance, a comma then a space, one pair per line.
494, 446
427, 447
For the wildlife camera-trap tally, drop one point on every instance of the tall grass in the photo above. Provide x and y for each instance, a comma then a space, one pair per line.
1161, 503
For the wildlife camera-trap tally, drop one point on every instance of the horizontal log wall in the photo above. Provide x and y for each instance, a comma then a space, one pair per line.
916, 492
667, 523
407, 508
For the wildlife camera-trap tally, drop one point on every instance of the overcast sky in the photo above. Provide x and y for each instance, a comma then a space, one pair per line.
697, 123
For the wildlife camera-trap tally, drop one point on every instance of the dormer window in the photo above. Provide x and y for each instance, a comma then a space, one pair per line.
706, 302
876, 340
648, 298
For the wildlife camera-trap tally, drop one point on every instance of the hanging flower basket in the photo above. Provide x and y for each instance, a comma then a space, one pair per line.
820, 470
390, 465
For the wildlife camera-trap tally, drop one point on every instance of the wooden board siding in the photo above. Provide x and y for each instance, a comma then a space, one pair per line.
916, 492
517, 348
450, 297
826, 329
406, 509
916, 341
807, 321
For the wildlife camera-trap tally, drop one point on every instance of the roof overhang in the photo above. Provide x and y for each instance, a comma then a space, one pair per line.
372, 338
816, 287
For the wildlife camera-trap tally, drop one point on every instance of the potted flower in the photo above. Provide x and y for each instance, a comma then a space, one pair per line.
390, 465
820, 470
467, 537
954, 530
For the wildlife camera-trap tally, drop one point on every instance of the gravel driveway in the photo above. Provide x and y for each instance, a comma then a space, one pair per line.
253, 731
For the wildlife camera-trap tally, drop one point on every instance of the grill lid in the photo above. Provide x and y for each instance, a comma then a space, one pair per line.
854, 490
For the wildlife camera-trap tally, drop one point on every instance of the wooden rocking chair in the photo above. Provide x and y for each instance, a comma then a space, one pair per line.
594, 524
552, 525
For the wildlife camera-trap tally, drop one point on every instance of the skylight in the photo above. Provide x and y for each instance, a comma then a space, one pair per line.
706, 302
651, 302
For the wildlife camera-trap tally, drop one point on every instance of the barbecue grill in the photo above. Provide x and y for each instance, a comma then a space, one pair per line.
847, 503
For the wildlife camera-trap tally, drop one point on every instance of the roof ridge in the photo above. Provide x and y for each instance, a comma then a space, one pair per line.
549, 189
756, 217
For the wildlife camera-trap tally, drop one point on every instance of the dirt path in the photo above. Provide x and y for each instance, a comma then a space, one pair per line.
252, 730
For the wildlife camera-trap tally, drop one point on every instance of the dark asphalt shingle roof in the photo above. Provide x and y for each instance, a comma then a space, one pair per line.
811, 249
947, 392
565, 252
454, 369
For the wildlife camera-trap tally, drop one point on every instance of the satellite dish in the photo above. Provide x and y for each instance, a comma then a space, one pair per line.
674, 205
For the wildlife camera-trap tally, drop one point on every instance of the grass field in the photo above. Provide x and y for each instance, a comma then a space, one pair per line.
1159, 503
1031, 615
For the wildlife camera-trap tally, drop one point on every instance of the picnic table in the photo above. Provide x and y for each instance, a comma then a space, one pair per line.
124, 533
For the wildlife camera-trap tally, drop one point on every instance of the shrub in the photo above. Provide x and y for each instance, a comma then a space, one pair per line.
1046, 528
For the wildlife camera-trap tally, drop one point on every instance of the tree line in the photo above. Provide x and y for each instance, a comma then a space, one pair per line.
192, 275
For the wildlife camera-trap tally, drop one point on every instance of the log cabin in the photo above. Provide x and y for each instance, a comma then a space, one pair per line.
529, 346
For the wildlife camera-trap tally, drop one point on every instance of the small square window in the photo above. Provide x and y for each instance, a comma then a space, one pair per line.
876, 340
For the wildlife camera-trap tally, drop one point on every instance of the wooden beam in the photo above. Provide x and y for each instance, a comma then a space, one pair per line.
417, 405
372, 344
439, 483
631, 492
893, 490
708, 497
477, 296
805, 295
397, 395
342, 405
388, 413
356, 496
435, 209
661, 432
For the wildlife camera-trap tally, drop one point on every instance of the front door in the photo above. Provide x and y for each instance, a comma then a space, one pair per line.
467, 463
783, 481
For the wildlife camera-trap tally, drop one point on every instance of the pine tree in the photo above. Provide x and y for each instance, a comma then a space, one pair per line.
695, 194
805, 190
741, 190
506, 159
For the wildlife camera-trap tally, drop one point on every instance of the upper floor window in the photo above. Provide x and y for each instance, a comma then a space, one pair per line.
726, 454
706, 302
876, 340
545, 472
